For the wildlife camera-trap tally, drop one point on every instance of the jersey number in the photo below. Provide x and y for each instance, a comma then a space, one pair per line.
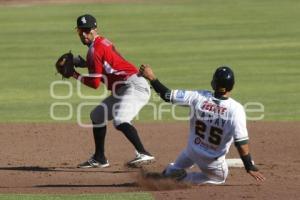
215, 134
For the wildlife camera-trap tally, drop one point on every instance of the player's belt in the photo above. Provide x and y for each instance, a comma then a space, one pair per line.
137, 87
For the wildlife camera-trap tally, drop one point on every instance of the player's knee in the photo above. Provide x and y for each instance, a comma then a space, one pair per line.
217, 178
98, 117
94, 117
121, 125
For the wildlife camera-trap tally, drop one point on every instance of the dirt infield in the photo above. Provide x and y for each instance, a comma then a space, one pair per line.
42, 158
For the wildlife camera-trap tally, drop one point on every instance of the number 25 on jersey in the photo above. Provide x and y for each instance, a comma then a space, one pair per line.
214, 134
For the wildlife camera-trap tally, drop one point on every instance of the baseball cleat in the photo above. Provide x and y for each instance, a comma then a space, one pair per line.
141, 159
178, 174
92, 163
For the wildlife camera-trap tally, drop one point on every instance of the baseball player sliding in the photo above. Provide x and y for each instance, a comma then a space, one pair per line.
216, 121
129, 92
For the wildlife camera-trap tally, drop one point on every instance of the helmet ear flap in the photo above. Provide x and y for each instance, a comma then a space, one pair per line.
213, 84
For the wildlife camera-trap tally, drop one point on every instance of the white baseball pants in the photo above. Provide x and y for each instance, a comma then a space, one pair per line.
124, 104
212, 171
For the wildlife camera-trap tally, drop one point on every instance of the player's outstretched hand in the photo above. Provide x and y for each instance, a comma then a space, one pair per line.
146, 71
257, 175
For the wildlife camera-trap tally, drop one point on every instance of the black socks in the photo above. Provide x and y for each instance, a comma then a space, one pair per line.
99, 138
131, 134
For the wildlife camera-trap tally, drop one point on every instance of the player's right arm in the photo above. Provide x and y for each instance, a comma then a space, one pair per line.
95, 72
79, 62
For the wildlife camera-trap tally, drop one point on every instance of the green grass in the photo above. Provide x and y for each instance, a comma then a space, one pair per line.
184, 41
119, 196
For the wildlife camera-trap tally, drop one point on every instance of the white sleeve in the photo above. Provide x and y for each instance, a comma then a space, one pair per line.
183, 97
239, 123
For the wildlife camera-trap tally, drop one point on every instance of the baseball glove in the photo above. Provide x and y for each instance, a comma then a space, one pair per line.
65, 66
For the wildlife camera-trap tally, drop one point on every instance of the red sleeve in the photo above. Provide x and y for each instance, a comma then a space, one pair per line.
96, 70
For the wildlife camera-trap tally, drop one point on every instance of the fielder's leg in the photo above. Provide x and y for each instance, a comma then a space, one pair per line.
132, 135
133, 97
99, 139
99, 116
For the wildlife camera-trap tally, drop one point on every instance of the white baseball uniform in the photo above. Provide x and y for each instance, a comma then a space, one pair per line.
214, 125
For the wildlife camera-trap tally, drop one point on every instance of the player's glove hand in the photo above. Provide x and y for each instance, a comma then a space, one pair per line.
79, 61
65, 66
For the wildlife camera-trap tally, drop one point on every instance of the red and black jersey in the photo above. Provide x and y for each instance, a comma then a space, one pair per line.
106, 65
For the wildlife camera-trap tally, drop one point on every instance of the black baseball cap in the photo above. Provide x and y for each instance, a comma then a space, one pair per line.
86, 21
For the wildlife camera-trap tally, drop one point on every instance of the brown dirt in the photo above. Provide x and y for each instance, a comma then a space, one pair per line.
42, 158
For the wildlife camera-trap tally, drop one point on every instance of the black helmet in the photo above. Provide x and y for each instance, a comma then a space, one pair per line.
223, 79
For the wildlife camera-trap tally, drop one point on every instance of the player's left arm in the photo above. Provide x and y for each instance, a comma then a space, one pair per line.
241, 141
178, 97
244, 152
